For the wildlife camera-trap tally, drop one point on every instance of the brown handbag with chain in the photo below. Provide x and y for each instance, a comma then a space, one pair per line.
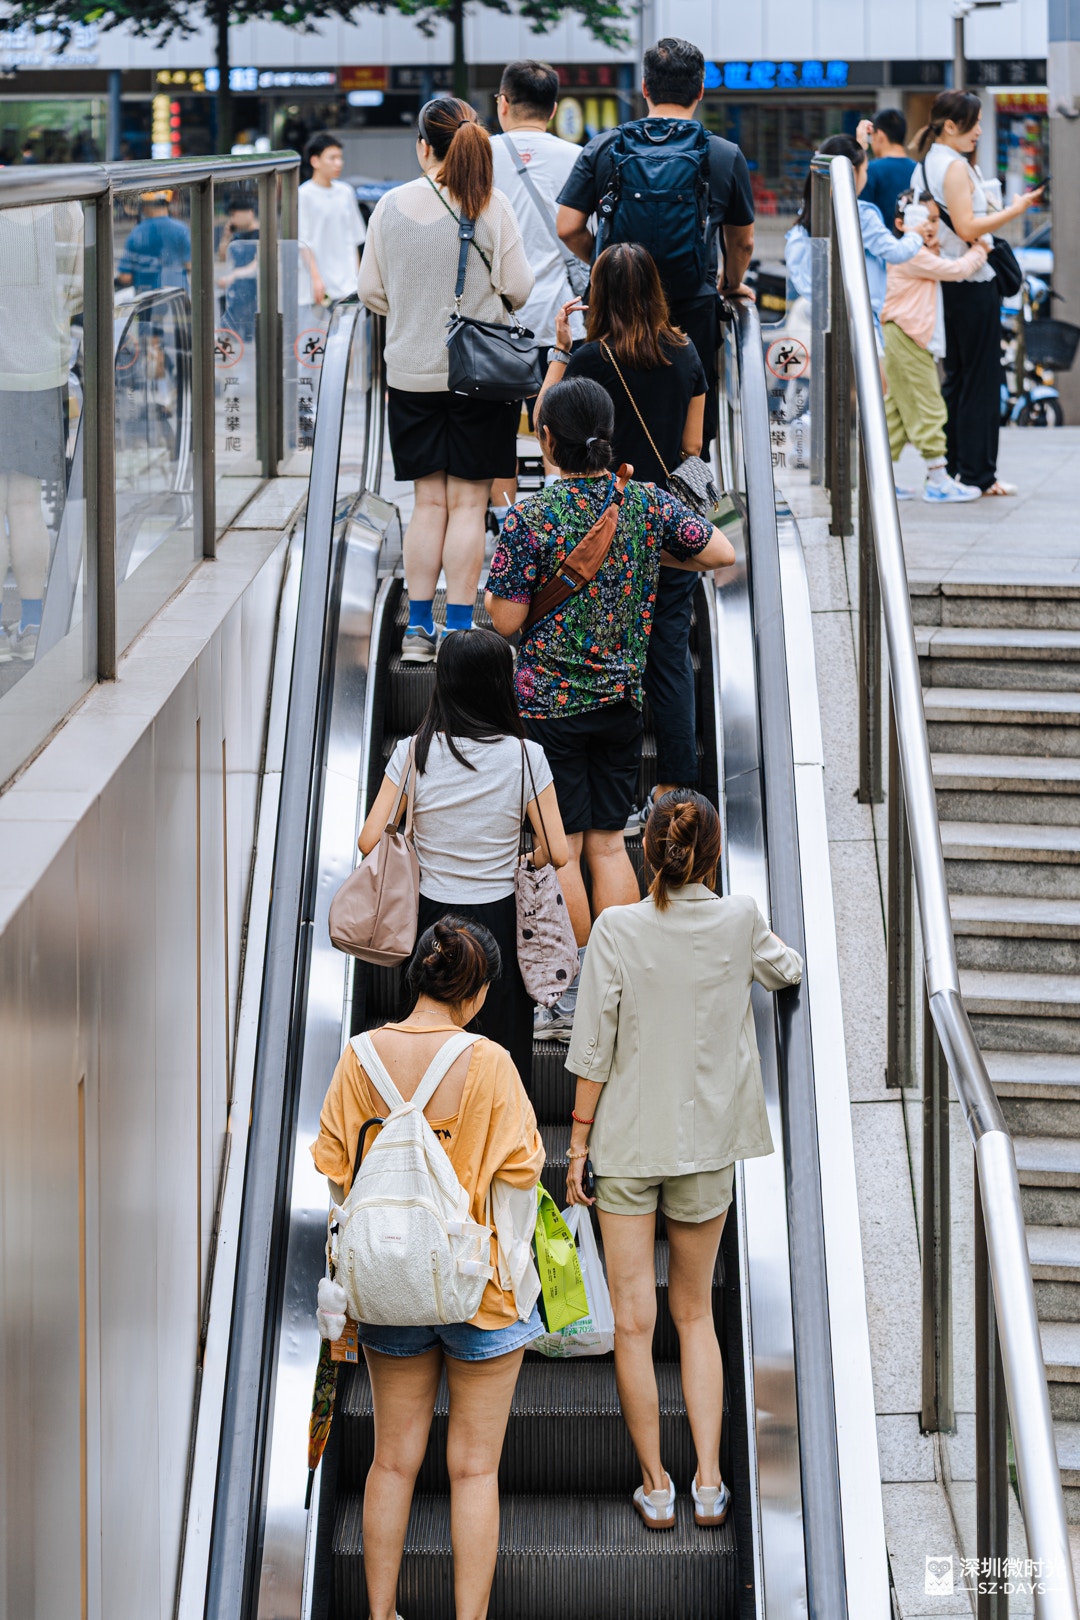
585, 561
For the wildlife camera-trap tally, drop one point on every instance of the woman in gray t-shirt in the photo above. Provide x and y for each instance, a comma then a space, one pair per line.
474, 771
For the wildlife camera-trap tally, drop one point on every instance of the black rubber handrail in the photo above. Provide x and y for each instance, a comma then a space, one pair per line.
815, 1394
249, 1386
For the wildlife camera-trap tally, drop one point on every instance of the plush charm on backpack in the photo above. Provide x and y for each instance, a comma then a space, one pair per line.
659, 198
403, 1245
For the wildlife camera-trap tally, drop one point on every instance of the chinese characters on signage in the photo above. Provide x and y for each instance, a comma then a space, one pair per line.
776, 75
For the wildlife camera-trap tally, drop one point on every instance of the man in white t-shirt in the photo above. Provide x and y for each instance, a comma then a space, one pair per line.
332, 228
528, 93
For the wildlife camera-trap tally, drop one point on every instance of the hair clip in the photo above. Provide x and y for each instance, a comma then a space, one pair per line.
591, 440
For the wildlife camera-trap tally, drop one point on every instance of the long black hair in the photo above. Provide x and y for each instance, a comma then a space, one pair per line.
580, 417
833, 146
473, 696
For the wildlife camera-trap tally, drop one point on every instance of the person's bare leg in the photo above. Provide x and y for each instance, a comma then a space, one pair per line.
614, 881
425, 537
692, 1261
463, 552
403, 1390
480, 1396
629, 1241
29, 535
503, 491
573, 888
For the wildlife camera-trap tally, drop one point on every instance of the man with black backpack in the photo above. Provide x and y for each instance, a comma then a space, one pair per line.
665, 182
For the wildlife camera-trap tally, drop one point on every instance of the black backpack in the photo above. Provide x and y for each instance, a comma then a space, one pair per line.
659, 198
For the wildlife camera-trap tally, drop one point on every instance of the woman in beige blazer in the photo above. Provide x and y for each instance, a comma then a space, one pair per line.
669, 1086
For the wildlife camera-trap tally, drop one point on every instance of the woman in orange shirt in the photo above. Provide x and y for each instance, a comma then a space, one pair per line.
483, 1118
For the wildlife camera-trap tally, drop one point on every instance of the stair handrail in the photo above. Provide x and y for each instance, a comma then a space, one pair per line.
999, 1186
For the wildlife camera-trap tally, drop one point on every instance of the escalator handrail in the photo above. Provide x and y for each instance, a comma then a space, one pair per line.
249, 1387
814, 1379
1014, 1297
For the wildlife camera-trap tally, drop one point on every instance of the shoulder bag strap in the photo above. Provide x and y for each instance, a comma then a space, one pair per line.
467, 234
526, 764
537, 201
376, 1070
609, 356
436, 1070
584, 562
407, 786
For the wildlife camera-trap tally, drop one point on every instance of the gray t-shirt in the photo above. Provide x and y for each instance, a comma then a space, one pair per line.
467, 822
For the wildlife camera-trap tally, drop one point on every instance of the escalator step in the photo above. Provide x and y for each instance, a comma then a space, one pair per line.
580, 1555
480, 613
560, 1427
408, 694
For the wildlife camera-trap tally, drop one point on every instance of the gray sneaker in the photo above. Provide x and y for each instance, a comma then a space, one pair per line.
5, 646
418, 646
552, 1023
24, 643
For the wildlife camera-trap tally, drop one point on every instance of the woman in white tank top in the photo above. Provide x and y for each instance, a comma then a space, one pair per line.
972, 386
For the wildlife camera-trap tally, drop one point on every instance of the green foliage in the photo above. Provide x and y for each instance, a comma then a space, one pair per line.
161, 19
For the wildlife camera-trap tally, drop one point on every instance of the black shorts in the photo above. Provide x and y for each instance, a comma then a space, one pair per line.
595, 759
450, 433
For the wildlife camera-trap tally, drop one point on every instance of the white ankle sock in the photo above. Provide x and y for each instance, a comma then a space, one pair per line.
936, 474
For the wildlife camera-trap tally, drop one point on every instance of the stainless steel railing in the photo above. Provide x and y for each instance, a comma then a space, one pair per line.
95, 187
1008, 1316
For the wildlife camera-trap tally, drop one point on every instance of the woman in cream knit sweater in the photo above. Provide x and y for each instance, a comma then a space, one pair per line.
450, 446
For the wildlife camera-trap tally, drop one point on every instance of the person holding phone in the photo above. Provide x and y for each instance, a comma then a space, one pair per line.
945, 149
669, 1096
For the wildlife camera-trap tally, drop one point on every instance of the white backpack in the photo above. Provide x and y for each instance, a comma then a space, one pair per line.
403, 1245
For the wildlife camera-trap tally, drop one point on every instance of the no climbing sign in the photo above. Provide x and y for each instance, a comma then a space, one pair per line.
787, 357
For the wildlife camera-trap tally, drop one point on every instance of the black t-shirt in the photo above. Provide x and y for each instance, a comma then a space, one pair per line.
662, 396
731, 199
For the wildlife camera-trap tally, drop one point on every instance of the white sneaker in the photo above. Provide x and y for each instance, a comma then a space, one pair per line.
711, 1503
552, 1024
905, 492
949, 491
657, 1509
5, 646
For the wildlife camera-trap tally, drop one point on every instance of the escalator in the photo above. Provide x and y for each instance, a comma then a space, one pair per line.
569, 1538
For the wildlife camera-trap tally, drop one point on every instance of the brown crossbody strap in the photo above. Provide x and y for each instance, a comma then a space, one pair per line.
610, 358
585, 561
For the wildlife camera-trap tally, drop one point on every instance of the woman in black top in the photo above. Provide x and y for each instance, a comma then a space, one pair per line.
657, 387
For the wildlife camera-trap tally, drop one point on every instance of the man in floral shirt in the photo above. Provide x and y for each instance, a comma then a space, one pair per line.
579, 670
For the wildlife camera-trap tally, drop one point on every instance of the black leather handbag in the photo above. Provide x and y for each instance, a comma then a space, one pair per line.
1001, 259
489, 360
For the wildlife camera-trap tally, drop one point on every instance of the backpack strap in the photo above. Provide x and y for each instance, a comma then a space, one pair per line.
436, 1071
537, 201
376, 1070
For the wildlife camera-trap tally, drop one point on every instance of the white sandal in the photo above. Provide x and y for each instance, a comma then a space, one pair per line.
657, 1509
711, 1503
999, 487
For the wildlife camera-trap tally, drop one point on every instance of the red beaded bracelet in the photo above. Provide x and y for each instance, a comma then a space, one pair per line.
575, 1115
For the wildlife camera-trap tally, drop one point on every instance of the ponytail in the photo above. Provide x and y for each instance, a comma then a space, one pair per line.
463, 148
682, 844
959, 107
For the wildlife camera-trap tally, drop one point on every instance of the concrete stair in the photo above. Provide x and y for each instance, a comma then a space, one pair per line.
1001, 675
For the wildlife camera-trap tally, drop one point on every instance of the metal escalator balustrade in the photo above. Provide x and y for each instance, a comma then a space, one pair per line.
999, 1212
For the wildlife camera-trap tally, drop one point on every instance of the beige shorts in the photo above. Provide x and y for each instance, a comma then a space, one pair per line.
693, 1198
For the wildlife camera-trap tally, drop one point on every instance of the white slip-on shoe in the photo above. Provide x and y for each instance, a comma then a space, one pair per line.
711, 1503
657, 1509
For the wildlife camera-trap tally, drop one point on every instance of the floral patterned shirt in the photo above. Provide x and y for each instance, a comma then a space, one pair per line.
592, 650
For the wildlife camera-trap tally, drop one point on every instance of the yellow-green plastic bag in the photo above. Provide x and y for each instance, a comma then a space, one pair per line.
562, 1287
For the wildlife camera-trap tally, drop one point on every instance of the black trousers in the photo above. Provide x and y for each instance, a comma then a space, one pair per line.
972, 385
507, 1014
669, 679
698, 319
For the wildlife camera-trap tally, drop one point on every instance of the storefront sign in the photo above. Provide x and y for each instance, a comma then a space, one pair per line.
192, 80
23, 48
589, 76
569, 120
811, 75
366, 77
414, 78
250, 80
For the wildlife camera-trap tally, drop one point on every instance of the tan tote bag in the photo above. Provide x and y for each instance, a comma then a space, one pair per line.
373, 915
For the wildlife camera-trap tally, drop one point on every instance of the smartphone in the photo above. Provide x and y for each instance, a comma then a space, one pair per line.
1044, 187
588, 1179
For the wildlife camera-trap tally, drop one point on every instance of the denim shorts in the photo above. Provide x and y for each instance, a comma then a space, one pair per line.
460, 1340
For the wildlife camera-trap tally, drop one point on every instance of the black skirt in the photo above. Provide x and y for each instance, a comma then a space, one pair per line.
507, 1014
474, 439
32, 433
